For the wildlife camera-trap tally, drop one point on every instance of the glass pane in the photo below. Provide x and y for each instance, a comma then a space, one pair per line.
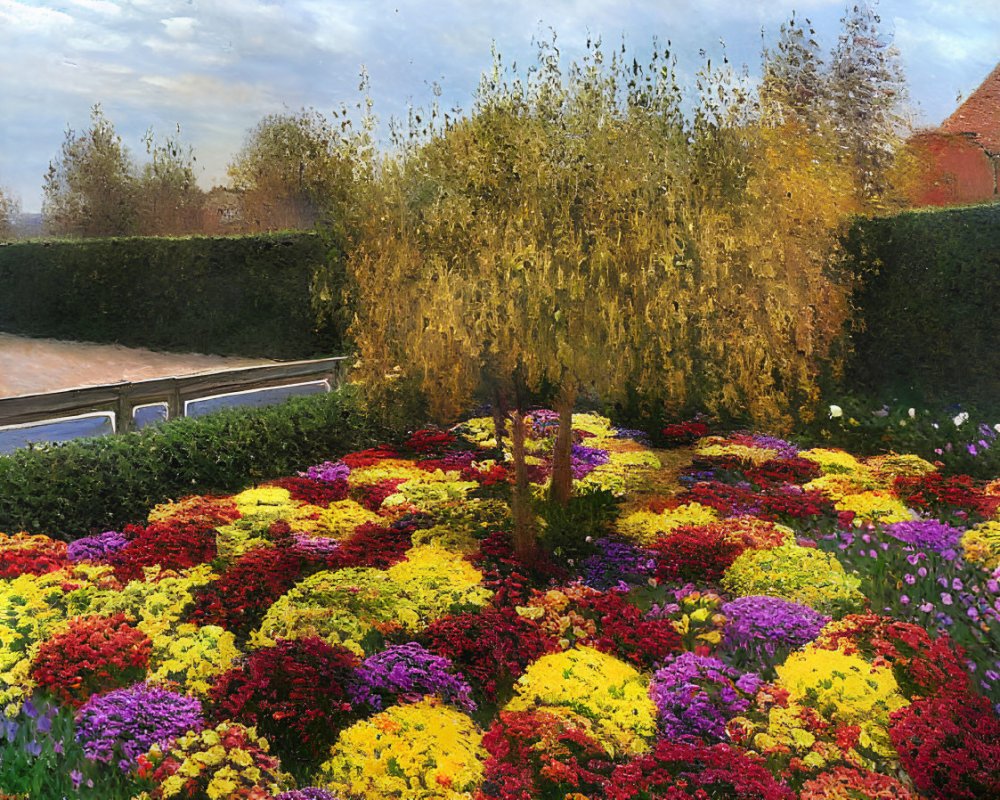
149, 415
56, 431
255, 398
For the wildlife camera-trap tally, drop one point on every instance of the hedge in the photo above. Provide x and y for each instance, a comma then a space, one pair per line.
928, 305
235, 295
72, 489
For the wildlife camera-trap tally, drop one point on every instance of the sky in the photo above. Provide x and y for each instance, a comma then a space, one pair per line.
216, 67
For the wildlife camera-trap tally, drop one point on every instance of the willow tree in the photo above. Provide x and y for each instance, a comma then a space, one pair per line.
575, 230
529, 243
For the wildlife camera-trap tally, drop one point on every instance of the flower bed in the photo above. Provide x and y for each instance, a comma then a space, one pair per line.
783, 624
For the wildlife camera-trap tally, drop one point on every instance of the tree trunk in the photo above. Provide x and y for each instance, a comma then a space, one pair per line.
524, 521
562, 473
499, 417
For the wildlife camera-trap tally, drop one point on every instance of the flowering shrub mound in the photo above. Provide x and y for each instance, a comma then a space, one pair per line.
166, 544
694, 554
697, 695
408, 671
314, 491
340, 606
295, 694
24, 554
682, 771
950, 746
767, 628
223, 763
535, 753
372, 546
774, 623
600, 687
92, 654
491, 648
845, 690
121, 725
95, 548
238, 599
425, 750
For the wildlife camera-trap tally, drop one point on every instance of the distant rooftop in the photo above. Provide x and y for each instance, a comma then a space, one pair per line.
979, 115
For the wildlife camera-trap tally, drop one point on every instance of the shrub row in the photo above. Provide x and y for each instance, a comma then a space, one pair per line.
270, 295
928, 305
72, 489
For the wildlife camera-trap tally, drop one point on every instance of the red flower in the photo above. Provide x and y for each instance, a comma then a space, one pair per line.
491, 648
950, 746
428, 441
295, 693
93, 654
314, 492
24, 554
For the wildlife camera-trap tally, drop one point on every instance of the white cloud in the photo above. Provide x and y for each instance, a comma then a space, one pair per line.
179, 27
99, 7
194, 90
32, 17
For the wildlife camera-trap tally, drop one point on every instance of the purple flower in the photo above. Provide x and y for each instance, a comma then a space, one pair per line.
930, 533
766, 626
641, 437
318, 546
328, 472
406, 671
309, 793
583, 459
123, 724
93, 548
697, 695
785, 449
616, 561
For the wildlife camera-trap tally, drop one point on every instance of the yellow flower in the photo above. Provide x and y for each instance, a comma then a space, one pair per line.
644, 527
172, 786
402, 752
606, 690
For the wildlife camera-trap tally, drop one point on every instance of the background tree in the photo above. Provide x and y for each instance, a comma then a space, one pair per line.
793, 78
10, 214
91, 189
866, 90
289, 170
169, 201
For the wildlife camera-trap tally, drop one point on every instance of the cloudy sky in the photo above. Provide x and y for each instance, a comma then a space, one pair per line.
217, 66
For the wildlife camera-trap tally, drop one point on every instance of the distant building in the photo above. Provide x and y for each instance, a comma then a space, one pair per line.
961, 158
222, 212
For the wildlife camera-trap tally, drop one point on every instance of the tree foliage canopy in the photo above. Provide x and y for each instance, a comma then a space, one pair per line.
95, 187
290, 170
578, 230
90, 190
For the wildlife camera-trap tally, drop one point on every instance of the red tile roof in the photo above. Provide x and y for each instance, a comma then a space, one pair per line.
980, 114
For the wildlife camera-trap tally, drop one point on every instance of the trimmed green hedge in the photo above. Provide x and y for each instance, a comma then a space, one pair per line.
72, 489
928, 305
237, 295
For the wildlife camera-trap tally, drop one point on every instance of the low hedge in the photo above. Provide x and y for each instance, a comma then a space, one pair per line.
76, 488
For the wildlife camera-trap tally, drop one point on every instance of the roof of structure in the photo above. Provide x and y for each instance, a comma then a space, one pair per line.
979, 115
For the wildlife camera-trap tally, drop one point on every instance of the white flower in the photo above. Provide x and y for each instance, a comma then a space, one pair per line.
997, 427
836, 411
913, 413
961, 418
